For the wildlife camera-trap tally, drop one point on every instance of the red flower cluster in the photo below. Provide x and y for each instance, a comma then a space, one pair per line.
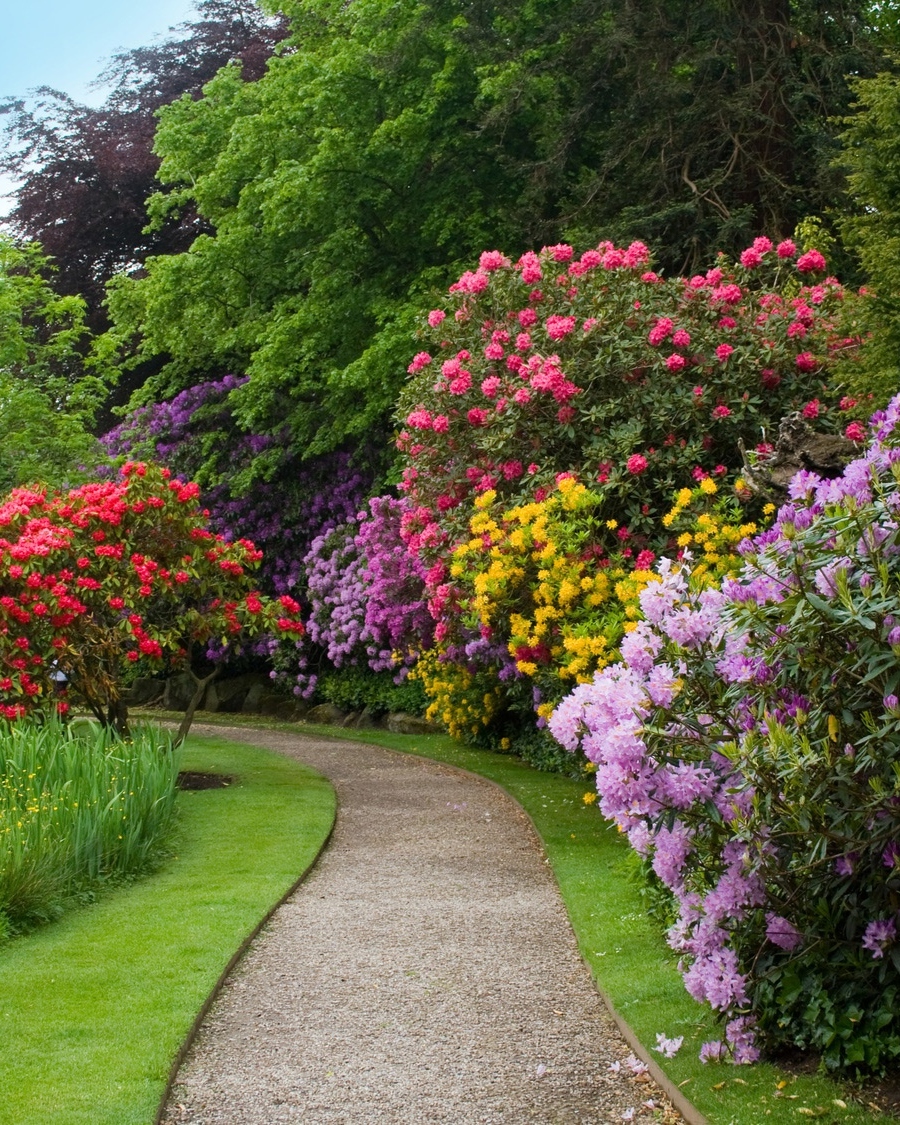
113, 573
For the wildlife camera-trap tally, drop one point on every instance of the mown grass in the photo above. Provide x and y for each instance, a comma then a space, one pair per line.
94, 1007
625, 951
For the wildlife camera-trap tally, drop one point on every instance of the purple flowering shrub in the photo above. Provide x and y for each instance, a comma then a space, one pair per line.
748, 744
366, 597
253, 485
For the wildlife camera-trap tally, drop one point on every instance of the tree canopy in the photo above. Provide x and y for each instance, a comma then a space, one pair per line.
53, 377
85, 173
388, 143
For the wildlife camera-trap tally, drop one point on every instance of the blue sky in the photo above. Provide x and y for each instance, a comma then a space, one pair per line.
65, 43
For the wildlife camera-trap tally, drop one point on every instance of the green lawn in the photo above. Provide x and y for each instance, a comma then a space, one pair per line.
93, 1008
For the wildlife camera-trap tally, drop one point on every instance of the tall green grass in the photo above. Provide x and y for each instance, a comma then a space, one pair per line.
77, 807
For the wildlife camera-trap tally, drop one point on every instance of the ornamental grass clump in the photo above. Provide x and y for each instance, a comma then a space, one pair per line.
749, 746
77, 808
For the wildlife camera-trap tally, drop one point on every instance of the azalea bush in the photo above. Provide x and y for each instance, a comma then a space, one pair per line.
749, 745
366, 600
540, 595
598, 366
118, 574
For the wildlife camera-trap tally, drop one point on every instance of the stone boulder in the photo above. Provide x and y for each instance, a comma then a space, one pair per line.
179, 691
230, 695
144, 690
402, 723
326, 713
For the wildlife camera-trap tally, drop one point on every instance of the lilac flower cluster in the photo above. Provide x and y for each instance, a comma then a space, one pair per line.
366, 595
749, 744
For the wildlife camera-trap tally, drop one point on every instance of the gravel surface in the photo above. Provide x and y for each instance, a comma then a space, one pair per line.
426, 971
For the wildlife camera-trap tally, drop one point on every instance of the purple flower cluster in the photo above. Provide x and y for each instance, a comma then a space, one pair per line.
366, 595
254, 486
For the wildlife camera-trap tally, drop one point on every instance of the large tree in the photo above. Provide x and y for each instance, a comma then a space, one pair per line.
84, 173
393, 141
52, 376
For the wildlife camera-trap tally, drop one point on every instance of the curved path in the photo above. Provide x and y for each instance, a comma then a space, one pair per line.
425, 971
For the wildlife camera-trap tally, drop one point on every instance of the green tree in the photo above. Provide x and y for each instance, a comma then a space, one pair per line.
52, 376
871, 153
390, 142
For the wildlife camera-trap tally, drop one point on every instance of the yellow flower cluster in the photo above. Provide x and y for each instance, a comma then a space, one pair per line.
464, 703
710, 527
532, 580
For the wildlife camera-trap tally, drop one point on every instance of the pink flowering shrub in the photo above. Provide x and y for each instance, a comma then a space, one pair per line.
594, 364
749, 746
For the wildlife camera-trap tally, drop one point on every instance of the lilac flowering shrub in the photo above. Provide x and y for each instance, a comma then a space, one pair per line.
749, 746
253, 485
366, 596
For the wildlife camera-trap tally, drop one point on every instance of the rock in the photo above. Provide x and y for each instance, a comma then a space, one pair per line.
326, 713
231, 694
402, 723
276, 704
797, 447
179, 691
368, 720
144, 690
351, 719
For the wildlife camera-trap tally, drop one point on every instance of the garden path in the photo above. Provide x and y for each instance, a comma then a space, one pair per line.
425, 971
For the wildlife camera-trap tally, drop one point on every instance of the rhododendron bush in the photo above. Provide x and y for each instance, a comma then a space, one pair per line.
749, 745
366, 600
596, 365
253, 485
117, 574
540, 594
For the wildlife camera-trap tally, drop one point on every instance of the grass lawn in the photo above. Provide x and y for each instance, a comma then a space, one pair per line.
94, 1007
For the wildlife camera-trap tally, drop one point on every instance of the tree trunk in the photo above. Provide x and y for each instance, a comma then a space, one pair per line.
194, 704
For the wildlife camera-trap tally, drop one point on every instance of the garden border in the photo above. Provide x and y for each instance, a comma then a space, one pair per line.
193, 1031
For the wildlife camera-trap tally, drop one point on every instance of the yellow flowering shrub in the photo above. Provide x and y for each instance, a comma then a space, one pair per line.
538, 579
463, 701
710, 524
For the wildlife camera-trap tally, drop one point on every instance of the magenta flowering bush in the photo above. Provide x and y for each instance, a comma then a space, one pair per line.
595, 364
749, 746
366, 599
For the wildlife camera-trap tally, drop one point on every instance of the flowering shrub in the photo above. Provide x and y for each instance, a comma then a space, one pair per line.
117, 573
253, 485
598, 366
749, 746
366, 598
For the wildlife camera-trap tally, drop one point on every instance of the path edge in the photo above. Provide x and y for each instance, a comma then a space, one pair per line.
238, 955
686, 1108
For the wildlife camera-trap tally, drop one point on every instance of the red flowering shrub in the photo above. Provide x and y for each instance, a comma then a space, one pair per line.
598, 366
117, 573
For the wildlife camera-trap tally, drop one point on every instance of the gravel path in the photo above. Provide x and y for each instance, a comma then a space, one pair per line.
426, 971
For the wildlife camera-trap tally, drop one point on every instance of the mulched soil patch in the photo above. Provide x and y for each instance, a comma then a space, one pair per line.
188, 779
